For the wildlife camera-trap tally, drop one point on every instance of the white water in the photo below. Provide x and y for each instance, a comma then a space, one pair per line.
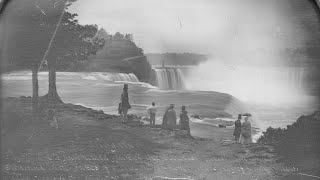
169, 78
271, 85
113, 77
277, 89
118, 77
92, 90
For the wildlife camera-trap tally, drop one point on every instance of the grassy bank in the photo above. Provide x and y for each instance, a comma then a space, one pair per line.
92, 145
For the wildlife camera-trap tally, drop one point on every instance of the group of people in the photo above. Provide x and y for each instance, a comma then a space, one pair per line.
169, 117
242, 131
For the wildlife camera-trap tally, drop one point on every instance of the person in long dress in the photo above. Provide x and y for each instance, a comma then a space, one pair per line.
165, 118
125, 105
172, 117
246, 136
184, 119
237, 128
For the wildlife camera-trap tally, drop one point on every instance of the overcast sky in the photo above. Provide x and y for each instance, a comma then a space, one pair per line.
222, 27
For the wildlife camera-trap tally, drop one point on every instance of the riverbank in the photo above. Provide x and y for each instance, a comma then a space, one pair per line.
92, 145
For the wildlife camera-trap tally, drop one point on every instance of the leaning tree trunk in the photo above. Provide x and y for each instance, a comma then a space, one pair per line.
52, 95
35, 94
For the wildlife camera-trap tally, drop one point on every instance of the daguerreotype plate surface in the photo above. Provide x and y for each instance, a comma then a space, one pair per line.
160, 89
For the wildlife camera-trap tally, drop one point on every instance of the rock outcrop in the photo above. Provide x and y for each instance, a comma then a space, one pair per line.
298, 144
141, 68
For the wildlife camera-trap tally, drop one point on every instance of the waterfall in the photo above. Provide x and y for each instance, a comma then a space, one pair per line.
269, 84
180, 79
119, 77
169, 78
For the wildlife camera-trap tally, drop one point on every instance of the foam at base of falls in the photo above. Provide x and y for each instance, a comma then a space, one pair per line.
169, 78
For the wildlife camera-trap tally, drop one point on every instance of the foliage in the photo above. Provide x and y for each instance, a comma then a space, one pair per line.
31, 24
25, 35
272, 136
117, 46
118, 36
73, 42
298, 141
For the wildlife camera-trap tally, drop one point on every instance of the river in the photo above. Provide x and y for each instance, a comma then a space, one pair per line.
102, 91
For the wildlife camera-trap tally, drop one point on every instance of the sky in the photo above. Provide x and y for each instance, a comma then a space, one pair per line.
220, 27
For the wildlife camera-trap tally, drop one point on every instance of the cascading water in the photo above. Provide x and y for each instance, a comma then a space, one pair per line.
169, 78
23, 75
118, 77
269, 84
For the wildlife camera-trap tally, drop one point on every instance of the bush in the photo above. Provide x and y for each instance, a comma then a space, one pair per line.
305, 131
299, 142
272, 136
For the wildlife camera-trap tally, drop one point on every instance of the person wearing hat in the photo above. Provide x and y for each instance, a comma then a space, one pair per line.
237, 128
125, 105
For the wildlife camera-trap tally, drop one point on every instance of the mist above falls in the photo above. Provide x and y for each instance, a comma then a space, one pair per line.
260, 84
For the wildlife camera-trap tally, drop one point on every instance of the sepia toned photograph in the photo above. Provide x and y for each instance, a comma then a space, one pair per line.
160, 89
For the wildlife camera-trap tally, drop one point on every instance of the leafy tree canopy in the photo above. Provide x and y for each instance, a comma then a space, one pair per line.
30, 25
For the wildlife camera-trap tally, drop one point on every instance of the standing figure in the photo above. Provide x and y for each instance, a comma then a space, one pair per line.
125, 105
165, 118
246, 137
152, 113
172, 117
184, 119
237, 128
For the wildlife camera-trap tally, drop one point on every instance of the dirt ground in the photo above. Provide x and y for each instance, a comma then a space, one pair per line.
92, 145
